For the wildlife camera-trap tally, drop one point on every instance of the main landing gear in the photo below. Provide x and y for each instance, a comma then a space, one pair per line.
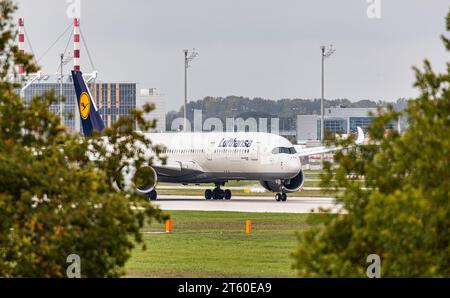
281, 196
152, 196
218, 193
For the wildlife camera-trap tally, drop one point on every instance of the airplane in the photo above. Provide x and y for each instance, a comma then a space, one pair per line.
210, 157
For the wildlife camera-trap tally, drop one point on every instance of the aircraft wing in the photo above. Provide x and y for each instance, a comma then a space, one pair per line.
176, 168
315, 150
323, 149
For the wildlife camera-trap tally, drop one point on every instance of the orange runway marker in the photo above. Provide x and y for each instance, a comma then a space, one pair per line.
169, 226
248, 226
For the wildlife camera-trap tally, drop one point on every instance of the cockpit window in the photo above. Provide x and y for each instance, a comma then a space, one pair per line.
285, 150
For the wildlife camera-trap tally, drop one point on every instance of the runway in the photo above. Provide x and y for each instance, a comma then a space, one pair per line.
247, 204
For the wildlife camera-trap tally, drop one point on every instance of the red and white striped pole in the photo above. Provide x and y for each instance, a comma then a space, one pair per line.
21, 43
76, 43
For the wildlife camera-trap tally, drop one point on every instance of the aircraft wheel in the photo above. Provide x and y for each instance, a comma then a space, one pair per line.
218, 194
153, 195
278, 197
208, 194
227, 194
283, 197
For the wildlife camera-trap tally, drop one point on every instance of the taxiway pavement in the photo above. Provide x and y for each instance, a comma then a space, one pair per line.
247, 204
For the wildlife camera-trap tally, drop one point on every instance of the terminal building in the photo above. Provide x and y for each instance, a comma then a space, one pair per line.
336, 120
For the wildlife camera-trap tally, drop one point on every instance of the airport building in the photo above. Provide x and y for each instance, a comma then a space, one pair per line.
113, 99
159, 113
336, 120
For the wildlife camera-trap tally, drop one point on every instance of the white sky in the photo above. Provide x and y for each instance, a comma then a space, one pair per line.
254, 48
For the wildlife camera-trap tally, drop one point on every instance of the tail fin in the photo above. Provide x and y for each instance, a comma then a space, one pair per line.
90, 117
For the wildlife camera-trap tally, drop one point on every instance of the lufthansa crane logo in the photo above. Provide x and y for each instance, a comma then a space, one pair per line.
85, 105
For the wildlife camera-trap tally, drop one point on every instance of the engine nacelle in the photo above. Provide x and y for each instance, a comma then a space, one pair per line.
289, 185
142, 180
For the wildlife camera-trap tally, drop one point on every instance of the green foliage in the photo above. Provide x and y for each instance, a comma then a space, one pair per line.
401, 210
55, 198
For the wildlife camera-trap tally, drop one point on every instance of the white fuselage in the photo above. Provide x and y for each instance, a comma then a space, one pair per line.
204, 157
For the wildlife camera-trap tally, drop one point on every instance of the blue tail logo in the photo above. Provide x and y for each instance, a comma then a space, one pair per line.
85, 105
90, 117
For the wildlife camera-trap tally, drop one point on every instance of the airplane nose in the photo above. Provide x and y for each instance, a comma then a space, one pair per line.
297, 164
293, 165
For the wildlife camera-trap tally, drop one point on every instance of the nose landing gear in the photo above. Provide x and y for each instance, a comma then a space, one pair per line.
281, 197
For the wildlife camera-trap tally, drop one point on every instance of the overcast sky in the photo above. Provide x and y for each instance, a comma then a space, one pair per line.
254, 48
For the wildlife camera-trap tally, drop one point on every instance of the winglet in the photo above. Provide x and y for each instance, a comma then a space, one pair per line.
90, 117
360, 138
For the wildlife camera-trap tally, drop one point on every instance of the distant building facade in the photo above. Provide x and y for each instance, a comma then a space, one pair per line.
114, 100
152, 96
336, 120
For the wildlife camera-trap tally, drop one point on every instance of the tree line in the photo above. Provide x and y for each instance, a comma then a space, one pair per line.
285, 109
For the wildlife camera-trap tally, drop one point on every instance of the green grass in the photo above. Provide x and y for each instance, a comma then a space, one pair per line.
214, 244
200, 192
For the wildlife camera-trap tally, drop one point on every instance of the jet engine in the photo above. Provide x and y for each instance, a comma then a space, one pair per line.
285, 186
143, 180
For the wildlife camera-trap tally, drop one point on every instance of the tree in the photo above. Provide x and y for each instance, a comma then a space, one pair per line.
241, 107
401, 211
55, 199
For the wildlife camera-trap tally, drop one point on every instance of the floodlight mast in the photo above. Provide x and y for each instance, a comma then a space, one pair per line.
188, 57
63, 61
326, 53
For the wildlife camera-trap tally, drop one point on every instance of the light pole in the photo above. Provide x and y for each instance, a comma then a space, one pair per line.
61, 77
326, 52
188, 57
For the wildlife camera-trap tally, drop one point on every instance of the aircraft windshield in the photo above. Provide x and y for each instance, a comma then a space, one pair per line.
285, 150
